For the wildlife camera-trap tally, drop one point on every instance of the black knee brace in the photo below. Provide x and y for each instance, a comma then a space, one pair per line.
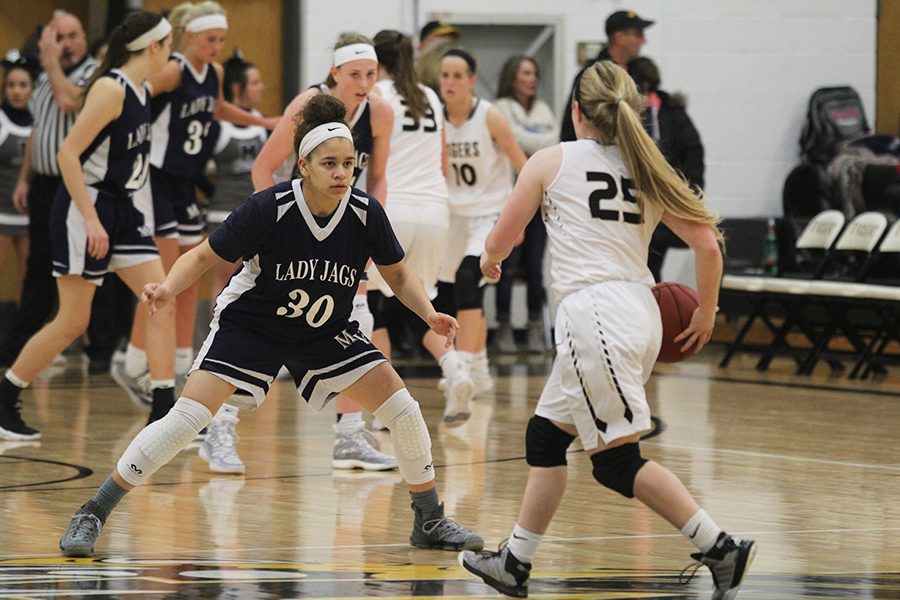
545, 443
468, 293
376, 307
444, 301
617, 468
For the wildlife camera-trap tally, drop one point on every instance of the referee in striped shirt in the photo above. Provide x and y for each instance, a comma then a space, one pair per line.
54, 104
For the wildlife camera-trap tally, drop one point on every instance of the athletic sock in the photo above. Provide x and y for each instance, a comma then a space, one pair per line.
135, 361
523, 543
428, 504
465, 358
184, 359
105, 500
347, 423
701, 530
450, 363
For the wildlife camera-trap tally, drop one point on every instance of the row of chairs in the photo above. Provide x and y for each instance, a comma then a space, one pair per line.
840, 293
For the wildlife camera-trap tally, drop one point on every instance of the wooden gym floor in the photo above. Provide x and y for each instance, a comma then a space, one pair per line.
810, 468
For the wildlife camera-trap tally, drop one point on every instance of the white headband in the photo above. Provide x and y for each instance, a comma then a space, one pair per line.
323, 132
157, 34
206, 22
354, 52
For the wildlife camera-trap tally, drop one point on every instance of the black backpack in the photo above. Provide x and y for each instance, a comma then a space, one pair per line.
835, 116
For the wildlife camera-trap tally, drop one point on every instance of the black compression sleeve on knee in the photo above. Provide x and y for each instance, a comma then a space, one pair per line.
469, 295
444, 302
617, 468
376, 307
545, 443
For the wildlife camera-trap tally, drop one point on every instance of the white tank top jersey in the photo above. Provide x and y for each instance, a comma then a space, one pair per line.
414, 166
594, 229
479, 181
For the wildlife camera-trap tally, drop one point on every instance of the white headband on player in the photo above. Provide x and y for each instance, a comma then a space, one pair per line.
157, 34
322, 133
354, 52
207, 22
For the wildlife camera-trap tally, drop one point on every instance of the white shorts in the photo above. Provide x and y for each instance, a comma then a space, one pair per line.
607, 339
422, 232
466, 238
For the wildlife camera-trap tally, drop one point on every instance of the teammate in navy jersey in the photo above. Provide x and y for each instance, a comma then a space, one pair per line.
304, 245
94, 224
187, 97
351, 79
608, 327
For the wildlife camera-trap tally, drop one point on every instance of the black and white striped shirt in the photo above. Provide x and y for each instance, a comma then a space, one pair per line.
51, 124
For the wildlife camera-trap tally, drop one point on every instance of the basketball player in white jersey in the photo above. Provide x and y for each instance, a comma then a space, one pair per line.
351, 79
418, 203
601, 197
481, 148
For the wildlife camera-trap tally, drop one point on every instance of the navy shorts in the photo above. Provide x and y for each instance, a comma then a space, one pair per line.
176, 213
130, 236
321, 368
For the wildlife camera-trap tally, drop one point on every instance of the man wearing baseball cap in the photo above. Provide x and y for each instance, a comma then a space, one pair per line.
435, 39
624, 39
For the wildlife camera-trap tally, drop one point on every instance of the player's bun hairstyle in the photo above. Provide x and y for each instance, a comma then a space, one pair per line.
16, 60
320, 109
507, 83
608, 97
135, 25
186, 12
235, 73
395, 54
347, 39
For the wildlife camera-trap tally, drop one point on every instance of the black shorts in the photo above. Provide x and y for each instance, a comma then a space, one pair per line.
176, 213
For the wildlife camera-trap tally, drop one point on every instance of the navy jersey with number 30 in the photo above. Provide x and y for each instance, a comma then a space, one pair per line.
299, 277
181, 121
116, 162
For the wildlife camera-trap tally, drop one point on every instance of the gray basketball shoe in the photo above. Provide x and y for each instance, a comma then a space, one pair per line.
500, 570
728, 560
219, 448
357, 451
138, 388
79, 537
442, 533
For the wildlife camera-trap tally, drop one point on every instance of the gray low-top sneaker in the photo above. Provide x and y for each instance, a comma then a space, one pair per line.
138, 388
728, 560
442, 533
357, 451
79, 537
501, 570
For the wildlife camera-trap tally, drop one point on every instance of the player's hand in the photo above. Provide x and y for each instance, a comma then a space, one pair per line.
97, 239
491, 271
155, 295
443, 325
20, 197
698, 333
49, 46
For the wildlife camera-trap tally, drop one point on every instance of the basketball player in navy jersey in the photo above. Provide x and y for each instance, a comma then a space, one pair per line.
304, 245
94, 224
601, 198
351, 79
187, 97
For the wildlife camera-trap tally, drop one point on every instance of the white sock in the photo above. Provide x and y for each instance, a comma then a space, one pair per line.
450, 364
479, 363
184, 358
135, 361
701, 530
156, 384
523, 544
465, 358
16, 381
349, 422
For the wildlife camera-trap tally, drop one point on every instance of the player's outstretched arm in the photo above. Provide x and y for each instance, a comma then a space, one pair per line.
410, 292
189, 267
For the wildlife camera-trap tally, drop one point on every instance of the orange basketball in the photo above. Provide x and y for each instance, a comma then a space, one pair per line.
677, 303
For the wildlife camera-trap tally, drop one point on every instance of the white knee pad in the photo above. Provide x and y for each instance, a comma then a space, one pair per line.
362, 315
160, 441
400, 413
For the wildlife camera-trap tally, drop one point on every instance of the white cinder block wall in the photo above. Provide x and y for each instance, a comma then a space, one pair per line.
747, 68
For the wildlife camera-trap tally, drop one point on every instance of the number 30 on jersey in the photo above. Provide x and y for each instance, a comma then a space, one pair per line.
317, 314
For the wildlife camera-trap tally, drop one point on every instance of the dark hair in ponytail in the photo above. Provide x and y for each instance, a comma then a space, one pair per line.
235, 73
395, 54
135, 25
321, 108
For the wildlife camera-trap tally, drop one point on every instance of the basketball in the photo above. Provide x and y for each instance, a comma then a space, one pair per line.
677, 303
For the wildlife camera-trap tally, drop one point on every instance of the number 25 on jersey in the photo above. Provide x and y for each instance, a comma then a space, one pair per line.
609, 191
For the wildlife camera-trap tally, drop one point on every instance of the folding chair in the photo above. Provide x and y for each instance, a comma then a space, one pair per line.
816, 238
858, 241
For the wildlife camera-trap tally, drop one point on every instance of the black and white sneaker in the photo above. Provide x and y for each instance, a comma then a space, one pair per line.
728, 560
501, 570
12, 427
